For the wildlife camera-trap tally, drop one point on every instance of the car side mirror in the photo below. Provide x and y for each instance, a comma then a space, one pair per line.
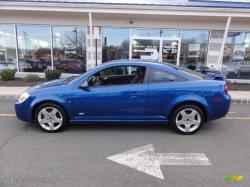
84, 85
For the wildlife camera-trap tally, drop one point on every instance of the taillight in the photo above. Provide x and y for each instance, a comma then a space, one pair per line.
226, 89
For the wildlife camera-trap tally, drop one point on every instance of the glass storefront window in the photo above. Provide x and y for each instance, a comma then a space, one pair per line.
7, 47
146, 32
115, 43
69, 49
236, 58
194, 45
156, 33
169, 51
195, 36
145, 49
34, 48
235, 38
170, 33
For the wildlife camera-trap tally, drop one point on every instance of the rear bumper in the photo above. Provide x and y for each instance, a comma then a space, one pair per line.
220, 109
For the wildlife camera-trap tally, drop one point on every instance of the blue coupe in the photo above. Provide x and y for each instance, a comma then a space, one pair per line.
127, 91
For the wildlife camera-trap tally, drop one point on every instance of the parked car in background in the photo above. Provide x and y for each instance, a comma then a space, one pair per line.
127, 91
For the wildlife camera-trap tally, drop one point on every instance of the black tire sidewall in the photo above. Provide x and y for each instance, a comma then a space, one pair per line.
178, 109
65, 120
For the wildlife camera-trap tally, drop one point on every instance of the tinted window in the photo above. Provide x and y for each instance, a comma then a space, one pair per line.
192, 73
163, 76
118, 75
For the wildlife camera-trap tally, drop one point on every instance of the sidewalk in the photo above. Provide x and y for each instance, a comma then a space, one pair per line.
12, 93
240, 96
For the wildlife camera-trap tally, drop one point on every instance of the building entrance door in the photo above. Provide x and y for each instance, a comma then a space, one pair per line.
170, 51
159, 49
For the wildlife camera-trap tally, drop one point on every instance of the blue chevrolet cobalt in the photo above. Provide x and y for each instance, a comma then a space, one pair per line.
127, 91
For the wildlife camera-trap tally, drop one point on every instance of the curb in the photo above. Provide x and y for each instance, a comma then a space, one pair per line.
240, 101
13, 97
10, 97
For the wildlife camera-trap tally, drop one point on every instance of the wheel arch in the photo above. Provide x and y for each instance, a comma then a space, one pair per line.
34, 108
191, 102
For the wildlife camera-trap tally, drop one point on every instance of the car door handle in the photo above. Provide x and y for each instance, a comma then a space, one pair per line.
135, 94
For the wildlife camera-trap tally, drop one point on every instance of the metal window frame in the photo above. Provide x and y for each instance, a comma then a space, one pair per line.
17, 52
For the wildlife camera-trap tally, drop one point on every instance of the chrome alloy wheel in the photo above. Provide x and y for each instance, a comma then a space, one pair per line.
50, 118
188, 120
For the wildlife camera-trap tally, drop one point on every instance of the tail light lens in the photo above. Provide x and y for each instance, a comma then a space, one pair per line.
226, 89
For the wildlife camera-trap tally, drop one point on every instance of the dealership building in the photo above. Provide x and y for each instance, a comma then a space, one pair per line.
74, 36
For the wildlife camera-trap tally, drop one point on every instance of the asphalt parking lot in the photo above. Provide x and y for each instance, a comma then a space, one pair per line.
78, 155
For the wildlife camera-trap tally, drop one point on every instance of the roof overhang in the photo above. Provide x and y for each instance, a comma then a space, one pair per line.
124, 9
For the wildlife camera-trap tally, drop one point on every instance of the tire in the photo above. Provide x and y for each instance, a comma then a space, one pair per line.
187, 119
51, 118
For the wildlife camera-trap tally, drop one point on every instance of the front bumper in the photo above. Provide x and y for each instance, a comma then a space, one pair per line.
23, 110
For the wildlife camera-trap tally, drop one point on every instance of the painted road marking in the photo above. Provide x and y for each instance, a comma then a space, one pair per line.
231, 112
237, 118
7, 115
145, 159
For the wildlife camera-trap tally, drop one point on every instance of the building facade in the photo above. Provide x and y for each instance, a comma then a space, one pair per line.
74, 36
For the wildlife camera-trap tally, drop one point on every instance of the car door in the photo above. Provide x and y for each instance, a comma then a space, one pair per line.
163, 89
115, 93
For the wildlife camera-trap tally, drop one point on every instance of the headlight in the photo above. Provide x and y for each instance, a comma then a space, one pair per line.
23, 97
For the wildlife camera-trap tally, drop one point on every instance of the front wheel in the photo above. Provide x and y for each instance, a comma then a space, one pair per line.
187, 119
50, 117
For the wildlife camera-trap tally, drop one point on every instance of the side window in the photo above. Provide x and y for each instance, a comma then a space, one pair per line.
163, 76
118, 75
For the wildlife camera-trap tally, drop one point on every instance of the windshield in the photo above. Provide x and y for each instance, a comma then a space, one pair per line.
70, 79
187, 71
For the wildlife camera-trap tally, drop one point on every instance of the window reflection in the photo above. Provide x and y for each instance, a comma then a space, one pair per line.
34, 48
146, 32
7, 47
170, 33
156, 33
170, 51
69, 49
236, 59
145, 49
115, 43
194, 46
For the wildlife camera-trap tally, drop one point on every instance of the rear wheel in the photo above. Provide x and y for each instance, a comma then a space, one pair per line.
187, 119
50, 117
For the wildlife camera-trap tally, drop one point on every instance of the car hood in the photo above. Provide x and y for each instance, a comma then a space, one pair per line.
53, 83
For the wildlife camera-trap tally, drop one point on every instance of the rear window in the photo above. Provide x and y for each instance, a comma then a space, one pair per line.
194, 74
157, 76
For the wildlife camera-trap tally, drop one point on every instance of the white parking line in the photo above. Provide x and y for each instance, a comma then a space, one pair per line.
7, 115
237, 118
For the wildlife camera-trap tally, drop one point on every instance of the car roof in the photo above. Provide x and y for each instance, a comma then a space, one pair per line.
158, 65
140, 62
